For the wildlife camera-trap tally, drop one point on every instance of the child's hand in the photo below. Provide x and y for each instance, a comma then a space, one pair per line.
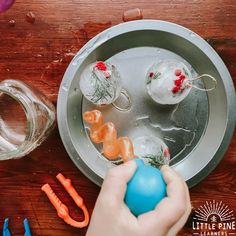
111, 217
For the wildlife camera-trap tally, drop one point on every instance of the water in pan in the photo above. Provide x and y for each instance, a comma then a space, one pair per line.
180, 126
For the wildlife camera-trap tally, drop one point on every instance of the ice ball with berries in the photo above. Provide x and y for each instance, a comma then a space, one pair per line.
100, 83
168, 81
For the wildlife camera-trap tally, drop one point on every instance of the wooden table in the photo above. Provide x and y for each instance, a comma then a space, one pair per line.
39, 54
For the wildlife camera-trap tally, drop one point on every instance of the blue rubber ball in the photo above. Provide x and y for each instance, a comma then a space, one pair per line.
145, 189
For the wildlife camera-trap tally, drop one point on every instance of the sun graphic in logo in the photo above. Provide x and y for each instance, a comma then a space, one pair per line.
214, 212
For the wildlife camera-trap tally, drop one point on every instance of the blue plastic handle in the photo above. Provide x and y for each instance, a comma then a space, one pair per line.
27, 227
5, 231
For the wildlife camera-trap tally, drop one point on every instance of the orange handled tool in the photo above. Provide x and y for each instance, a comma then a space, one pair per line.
62, 209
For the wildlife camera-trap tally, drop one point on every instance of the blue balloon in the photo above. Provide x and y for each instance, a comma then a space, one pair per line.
145, 189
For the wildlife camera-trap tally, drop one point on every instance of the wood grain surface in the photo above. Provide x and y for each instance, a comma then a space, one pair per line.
38, 53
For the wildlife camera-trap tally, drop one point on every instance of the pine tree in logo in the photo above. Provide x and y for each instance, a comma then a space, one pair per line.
213, 219
214, 212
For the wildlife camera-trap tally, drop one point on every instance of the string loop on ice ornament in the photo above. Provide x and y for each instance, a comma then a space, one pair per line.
190, 84
127, 97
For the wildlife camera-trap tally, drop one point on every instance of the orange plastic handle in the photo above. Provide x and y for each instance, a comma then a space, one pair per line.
62, 209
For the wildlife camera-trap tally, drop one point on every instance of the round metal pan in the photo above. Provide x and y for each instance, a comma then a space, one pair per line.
197, 131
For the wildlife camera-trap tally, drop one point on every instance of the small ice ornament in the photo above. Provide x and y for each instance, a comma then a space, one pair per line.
100, 83
152, 150
167, 82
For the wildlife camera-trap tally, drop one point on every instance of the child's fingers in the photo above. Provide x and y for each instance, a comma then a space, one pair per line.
170, 209
179, 225
177, 197
175, 185
115, 182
